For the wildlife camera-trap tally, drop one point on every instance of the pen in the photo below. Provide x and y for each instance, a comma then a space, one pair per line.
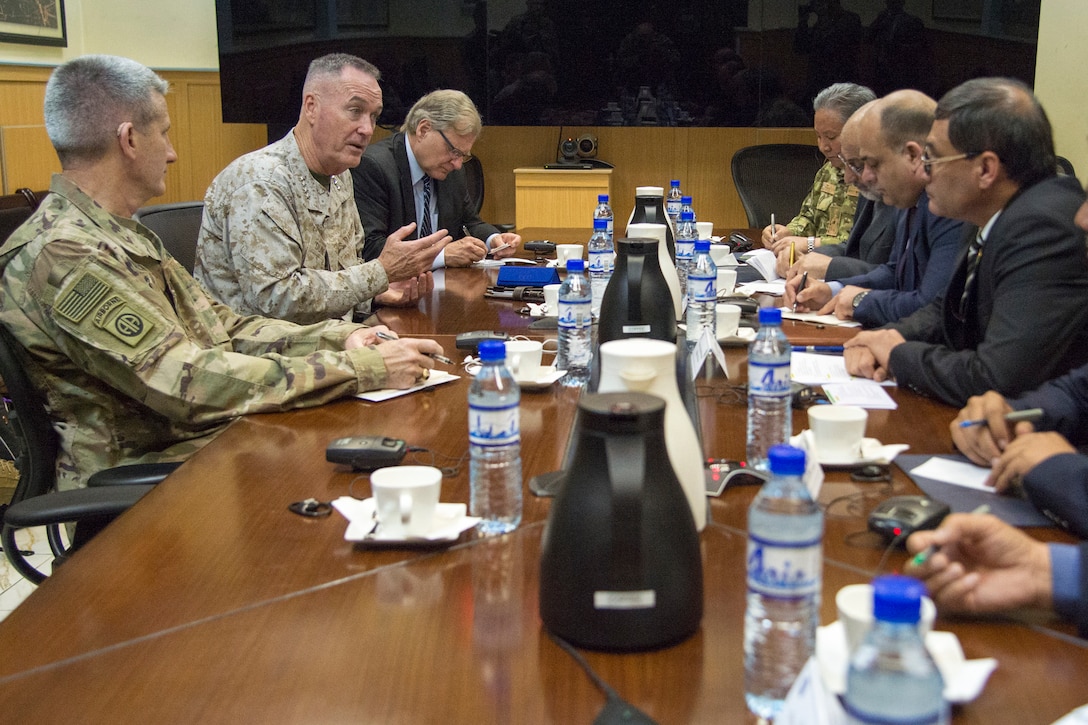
772, 227
1031, 415
464, 230
433, 355
818, 348
923, 556
792, 250
804, 281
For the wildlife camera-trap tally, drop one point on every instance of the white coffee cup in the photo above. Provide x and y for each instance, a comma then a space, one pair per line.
855, 607
727, 319
837, 431
524, 358
405, 499
563, 252
706, 229
551, 299
719, 253
727, 280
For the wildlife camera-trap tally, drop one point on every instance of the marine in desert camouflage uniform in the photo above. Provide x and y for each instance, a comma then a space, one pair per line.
136, 362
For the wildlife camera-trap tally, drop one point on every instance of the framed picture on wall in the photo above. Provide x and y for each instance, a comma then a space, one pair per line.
957, 9
35, 23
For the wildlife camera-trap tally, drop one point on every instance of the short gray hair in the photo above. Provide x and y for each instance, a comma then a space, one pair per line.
445, 109
334, 64
87, 98
842, 99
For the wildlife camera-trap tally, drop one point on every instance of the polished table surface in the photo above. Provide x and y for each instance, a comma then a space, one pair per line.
209, 601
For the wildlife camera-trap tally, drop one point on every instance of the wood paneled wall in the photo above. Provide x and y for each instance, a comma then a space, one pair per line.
699, 157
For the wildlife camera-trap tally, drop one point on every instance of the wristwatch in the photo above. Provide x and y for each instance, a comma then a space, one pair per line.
858, 298
811, 243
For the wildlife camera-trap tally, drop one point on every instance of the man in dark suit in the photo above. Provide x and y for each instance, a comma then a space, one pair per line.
1015, 312
871, 237
416, 176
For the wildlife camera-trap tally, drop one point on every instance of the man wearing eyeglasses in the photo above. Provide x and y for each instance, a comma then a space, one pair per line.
417, 176
281, 236
1015, 310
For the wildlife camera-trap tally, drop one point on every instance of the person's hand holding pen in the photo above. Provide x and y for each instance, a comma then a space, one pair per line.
800, 288
976, 563
407, 361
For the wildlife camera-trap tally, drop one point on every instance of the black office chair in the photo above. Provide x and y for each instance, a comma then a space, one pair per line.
774, 179
14, 210
36, 502
1065, 166
177, 225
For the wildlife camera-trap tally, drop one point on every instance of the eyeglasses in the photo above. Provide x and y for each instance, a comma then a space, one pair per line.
928, 161
454, 151
856, 170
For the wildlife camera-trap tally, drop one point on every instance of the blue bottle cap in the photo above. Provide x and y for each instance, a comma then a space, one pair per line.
786, 460
576, 265
491, 350
687, 215
770, 316
602, 198
702, 245
685, 200
674, 182
897, 599
600, 224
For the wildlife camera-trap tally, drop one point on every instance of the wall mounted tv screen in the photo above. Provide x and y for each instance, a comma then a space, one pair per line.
619, 62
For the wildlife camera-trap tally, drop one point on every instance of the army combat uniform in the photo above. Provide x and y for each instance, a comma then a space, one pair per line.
277, 242
136, 361
828, 210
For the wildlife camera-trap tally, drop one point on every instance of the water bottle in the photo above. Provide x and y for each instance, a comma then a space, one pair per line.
892, 678
604, 211
702, 293
685, 205
686, 235
601, 259
785, 568
575, 325
672, 201
494, 437
769, 416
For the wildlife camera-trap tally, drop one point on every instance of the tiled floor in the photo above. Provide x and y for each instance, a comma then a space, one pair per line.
13, 587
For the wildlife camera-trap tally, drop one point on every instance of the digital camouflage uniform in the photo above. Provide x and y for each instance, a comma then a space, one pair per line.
275, 242
136, 361
828, 210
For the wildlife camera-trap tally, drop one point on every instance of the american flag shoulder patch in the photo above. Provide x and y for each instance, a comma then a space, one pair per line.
83, 297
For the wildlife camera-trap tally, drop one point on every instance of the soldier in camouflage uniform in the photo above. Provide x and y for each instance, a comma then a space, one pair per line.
135, 361
281, 235
827, 213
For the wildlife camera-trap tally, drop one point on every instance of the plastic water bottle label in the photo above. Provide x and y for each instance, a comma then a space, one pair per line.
702, 289
494, 426
685, 249
575, 315
784, 570
672, 208
601, 262
768, 378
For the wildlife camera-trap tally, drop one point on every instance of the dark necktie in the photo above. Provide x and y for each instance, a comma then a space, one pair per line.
425, 222
974, 254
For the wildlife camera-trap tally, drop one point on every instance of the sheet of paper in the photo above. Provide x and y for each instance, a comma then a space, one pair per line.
704, 347
828, 320
859, 392
437, 377
955, 472
776, 288
811, 368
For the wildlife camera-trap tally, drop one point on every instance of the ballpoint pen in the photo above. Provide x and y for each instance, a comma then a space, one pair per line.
1030, 414
804, 281
923, 556
433, 355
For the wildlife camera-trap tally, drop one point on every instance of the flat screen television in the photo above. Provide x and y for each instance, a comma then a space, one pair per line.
618, 62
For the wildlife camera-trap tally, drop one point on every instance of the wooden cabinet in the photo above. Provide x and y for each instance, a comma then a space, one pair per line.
558, 197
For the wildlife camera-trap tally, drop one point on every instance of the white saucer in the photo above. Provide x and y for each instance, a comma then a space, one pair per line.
872, 451
548, 375
450, 520
743, 336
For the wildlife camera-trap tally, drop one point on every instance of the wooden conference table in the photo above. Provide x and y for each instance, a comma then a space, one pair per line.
210, 602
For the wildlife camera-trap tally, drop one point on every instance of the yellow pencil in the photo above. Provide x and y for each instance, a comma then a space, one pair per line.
792, 250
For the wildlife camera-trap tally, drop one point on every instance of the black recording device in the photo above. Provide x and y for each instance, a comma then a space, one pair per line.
471, 340
898, 517
365, 453
540, 246
722, 473
521, 294
739, 243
